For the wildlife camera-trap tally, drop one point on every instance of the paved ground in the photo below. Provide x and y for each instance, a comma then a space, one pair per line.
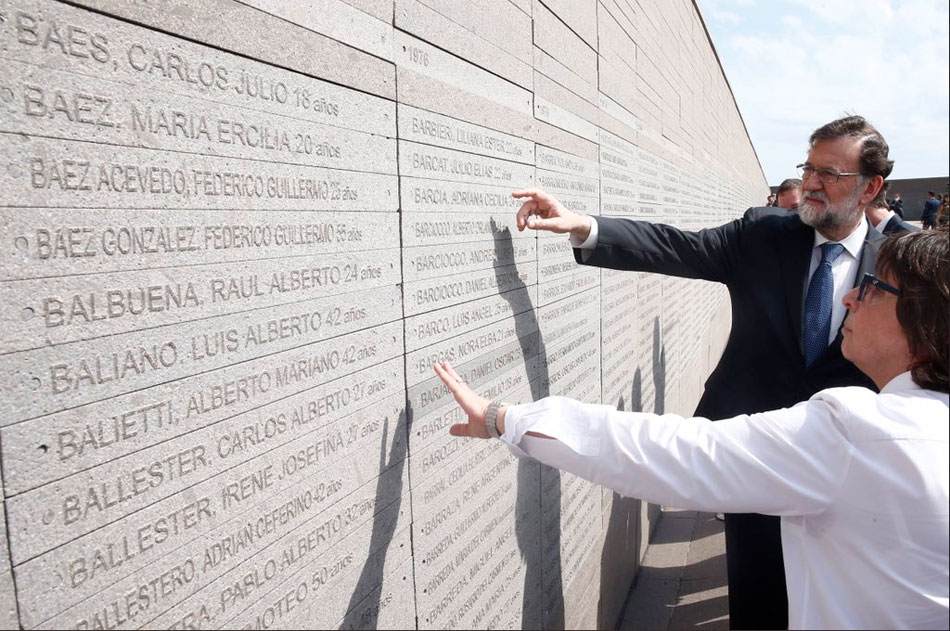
682, 583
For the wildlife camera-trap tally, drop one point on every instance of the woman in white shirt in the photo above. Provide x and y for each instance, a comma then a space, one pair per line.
860, 479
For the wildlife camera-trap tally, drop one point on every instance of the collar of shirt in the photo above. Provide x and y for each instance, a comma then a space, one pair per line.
852, 243
883, 222
901, 383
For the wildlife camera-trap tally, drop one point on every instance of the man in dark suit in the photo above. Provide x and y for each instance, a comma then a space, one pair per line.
887, 221
789, 194
896, 204
929, 215
786, 275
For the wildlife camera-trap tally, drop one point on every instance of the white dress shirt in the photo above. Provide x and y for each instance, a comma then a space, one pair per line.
860, 481
844, 270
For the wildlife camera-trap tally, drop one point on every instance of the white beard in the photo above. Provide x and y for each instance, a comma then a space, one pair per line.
830, 218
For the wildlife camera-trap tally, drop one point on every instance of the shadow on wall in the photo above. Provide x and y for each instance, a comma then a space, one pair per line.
364, 605
542, 597
659, 370
543, 591
620, 557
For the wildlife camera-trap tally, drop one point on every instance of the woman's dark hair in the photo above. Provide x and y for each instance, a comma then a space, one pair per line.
919, 262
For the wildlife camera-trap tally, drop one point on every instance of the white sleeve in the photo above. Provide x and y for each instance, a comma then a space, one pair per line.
590, 242
785, 462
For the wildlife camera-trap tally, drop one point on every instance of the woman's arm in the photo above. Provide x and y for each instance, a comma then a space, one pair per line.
784, 462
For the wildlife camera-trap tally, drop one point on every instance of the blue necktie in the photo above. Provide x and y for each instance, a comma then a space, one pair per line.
818, 302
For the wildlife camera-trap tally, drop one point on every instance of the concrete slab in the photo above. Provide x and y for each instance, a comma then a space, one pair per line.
682, 581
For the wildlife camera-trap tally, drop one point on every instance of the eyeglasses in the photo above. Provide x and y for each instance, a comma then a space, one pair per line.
826, 176
871, 279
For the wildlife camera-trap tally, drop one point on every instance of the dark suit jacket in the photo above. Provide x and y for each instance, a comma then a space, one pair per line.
896, 224
768, 211
931, 207
763, 259
897, 206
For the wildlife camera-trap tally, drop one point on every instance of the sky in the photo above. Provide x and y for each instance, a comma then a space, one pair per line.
796, 64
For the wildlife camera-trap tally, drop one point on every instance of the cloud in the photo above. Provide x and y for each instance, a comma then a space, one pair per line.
847, 13
722, 4
727, 11
727, 16
884, 60
792, 21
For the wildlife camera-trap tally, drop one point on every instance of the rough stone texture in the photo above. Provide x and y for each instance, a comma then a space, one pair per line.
240, 28
8, 603
461, 28
239, 233
348, 24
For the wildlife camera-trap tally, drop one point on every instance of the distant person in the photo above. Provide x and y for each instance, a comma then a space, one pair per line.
789, 194
886, 221
859, 479
770, 200
786, 274
943, 213
897, 205
929, 215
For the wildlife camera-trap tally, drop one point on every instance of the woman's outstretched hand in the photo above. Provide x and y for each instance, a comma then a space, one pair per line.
470, 402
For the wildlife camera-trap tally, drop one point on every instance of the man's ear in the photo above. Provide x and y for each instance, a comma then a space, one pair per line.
871, 188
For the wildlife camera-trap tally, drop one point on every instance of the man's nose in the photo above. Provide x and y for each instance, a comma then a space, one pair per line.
812, 183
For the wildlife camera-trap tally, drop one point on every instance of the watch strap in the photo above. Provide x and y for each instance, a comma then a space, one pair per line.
491, 419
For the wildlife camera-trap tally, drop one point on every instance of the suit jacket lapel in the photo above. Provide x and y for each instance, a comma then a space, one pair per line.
892, 225
865, 265
868, 254
795, 262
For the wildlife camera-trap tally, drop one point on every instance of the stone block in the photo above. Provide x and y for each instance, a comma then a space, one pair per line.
98, 305
437, 326
564, 184
73, 174
478, 201
326, 58
9, 618
426, 161
130, 57
443, 131
505, 25
583, 278
465, 101
561, 108
452, 27
445, 291
337, 20
319, 588
550, 67
423, 58
448, 261
57, 242
558, 41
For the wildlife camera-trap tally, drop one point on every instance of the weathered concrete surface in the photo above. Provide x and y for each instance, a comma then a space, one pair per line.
238, 233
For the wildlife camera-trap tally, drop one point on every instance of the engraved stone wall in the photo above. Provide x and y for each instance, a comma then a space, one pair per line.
238, 233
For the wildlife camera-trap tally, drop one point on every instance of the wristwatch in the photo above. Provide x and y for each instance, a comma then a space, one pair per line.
491, 419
